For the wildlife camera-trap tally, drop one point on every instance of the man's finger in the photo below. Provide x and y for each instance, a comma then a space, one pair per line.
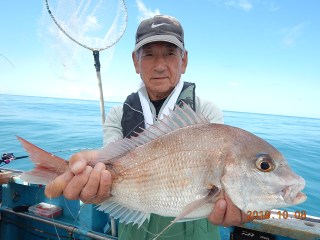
75, 186
104, 187
77, 162
80, 160
245, 218
55, 188
218, 213
233, 215
90, 190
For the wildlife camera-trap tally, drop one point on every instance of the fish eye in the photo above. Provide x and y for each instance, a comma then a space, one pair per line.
265, 166
264, 163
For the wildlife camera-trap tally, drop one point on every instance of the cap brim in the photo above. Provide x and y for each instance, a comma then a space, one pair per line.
159, 38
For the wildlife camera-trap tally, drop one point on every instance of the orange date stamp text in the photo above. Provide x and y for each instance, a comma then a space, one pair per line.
279, 215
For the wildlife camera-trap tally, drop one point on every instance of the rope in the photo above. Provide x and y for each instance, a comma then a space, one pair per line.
19, 223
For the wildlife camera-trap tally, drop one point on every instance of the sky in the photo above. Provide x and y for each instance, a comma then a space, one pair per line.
244, 55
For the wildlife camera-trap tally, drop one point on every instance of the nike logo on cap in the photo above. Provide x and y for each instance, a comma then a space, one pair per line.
158, 25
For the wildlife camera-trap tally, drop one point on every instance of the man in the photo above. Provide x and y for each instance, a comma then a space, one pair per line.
160, 58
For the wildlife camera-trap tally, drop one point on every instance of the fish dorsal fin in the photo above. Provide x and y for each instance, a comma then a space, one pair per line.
123, 213
179, 118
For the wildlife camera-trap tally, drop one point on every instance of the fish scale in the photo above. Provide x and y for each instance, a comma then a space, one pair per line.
168, 182
180, 166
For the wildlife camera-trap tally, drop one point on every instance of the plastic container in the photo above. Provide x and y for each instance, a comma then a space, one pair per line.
46, 210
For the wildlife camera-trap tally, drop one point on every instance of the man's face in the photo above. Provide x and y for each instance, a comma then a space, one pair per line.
160, 65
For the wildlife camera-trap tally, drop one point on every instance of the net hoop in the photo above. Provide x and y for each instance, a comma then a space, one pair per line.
100, 49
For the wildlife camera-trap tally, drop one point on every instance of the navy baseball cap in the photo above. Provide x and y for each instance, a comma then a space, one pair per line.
160, 28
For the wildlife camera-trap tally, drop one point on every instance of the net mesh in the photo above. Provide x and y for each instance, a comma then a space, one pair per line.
93, 24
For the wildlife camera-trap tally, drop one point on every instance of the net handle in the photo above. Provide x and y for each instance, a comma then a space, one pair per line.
97, 66
58, 25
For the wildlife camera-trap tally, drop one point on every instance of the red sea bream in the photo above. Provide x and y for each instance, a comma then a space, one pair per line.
179, 168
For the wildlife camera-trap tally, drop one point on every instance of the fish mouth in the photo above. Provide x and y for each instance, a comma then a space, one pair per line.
292, 194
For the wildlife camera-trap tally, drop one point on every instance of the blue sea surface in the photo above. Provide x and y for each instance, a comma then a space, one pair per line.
55, 124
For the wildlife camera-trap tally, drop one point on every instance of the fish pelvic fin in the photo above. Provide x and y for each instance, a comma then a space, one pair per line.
192, 207
123, 213
47, 166
179, 118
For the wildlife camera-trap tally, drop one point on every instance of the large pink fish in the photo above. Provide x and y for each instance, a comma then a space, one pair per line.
179, 168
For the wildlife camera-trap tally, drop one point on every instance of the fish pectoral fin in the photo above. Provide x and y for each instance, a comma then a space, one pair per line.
187, 220
193, 206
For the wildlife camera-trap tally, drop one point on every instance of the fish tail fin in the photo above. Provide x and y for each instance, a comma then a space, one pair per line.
47, 166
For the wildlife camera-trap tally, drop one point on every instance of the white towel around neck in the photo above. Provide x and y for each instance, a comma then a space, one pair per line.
148, 118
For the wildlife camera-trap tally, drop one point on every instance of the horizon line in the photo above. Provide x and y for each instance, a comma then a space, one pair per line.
122, 102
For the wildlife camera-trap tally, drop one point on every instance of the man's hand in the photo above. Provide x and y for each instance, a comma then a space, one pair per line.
226, 214
4, 177
90, 185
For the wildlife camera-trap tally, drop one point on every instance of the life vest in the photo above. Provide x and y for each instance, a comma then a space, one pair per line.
132, 119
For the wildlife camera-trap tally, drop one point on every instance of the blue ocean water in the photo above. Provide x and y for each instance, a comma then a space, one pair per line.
62, 124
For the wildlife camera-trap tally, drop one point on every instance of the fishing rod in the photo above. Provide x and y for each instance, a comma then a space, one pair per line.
6, 158
7, 59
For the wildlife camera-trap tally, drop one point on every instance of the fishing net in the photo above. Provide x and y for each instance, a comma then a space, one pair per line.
73, 27
70, 28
